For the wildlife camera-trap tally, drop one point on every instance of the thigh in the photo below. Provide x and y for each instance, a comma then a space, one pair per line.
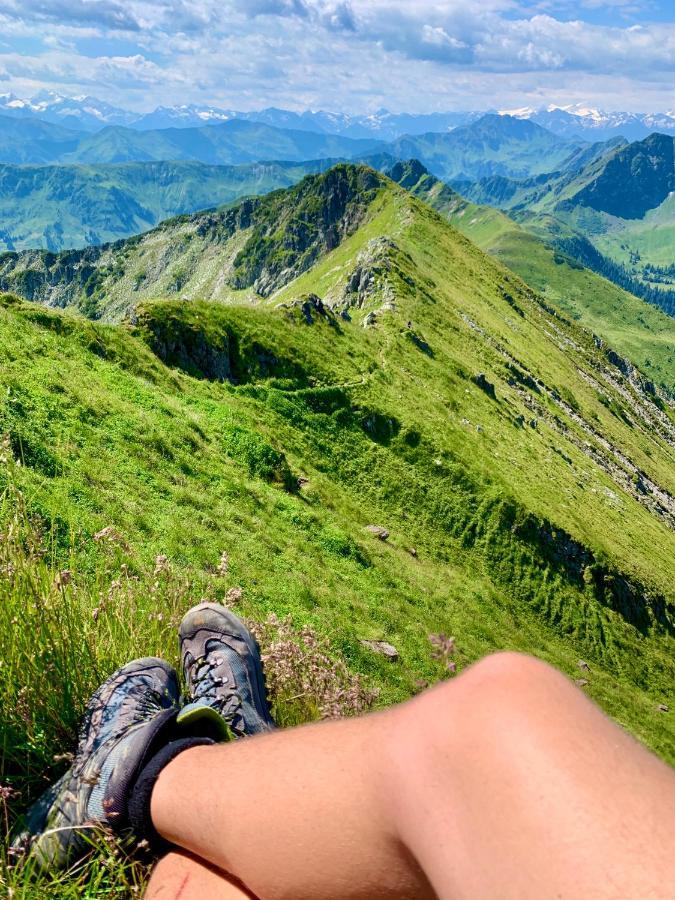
515, 785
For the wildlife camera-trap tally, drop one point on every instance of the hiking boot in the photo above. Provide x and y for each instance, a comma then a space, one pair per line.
128, 718
223, 671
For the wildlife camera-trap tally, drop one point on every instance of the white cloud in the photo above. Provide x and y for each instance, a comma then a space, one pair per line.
353, 54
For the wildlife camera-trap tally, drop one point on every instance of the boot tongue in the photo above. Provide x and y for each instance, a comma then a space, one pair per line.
201, 719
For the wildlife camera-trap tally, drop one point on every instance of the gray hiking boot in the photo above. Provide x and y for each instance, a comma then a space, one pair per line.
129, 717
223, 671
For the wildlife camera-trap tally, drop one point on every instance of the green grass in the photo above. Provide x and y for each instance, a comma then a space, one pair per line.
523, 538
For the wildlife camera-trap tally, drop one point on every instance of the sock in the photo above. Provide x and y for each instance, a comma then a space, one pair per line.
139, 800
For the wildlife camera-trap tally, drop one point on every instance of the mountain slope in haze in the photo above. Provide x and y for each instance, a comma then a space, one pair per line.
33, 141
58, 207
362, 344
29, 140
616, 215
229, 143
381, 126
494, 145
629, 182
633, 327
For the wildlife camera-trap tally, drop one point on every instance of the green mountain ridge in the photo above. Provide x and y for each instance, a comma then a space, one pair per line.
108, 281
247, 249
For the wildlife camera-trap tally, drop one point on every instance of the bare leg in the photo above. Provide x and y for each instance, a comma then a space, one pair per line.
507, 782
180, 876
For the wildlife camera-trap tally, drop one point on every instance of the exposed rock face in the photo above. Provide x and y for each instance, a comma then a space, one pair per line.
291, 230
371, 277
54, 279
312, 308
481, 381
189, 349
629, 371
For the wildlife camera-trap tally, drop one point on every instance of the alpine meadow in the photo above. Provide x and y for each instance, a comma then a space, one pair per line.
398, 389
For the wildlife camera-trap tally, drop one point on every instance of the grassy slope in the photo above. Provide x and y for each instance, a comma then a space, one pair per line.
389, 427
194, 268
633, 327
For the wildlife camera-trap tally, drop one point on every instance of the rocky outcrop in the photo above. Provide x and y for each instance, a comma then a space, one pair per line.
53, 279
312, 309
292, 229
370, 279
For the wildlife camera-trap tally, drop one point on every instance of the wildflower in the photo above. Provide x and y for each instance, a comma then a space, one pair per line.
234, 596
444, 648
7, 793
6, 455
111, 534
300, 668
63, 579
223, 565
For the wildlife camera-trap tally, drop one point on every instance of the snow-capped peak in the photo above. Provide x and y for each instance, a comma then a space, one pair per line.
522, 112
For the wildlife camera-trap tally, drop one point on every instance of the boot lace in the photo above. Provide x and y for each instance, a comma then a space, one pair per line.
220, 693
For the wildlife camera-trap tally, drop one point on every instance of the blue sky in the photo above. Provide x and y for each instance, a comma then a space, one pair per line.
344, 55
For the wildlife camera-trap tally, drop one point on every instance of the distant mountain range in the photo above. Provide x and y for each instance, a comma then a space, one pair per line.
61, 188
492, 145
90, 114
28, 140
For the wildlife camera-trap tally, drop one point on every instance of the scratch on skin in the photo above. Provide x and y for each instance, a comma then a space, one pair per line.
181, 889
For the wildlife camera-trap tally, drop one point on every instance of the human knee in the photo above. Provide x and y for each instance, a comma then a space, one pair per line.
487, 698
505, 673
169, 871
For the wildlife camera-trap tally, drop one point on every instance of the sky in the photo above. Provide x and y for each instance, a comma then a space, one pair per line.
352, 56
